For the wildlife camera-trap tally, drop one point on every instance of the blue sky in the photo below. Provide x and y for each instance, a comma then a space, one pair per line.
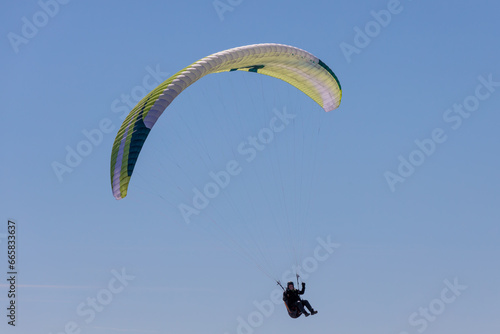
400, 183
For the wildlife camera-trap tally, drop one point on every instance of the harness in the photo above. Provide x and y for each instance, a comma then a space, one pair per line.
293, 311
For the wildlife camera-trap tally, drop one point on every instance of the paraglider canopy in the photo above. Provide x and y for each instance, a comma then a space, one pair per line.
290, 64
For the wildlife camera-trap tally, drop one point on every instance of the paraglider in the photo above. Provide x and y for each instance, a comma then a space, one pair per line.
295, 305
297, 67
